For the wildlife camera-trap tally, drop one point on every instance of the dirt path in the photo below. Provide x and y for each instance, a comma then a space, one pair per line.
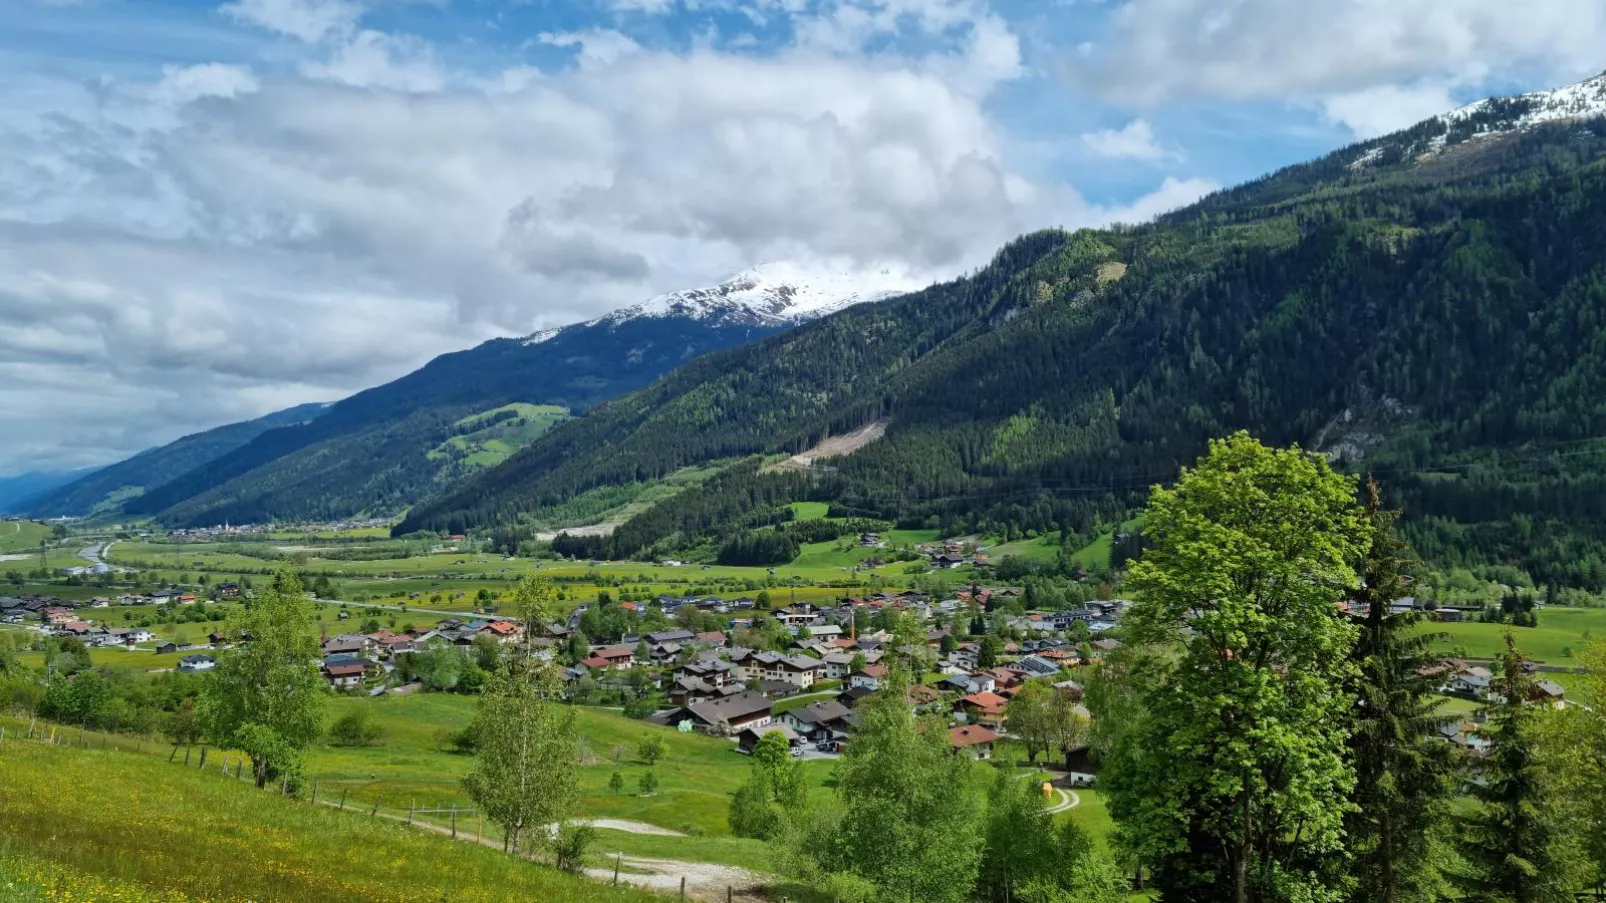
705, 881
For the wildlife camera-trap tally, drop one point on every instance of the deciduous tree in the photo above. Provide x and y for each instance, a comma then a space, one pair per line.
266, 697
524, 767
1235, 785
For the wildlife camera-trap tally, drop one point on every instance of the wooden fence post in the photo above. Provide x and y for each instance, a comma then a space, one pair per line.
377, 801
284, 784
202, 766
315, 792
479, 822
410, 804
454, 821
682, 889
342, 799
186, 757
617, 858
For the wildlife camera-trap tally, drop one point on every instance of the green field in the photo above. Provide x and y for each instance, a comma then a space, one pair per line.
481, 444
163, 832
19, 536
1559, 630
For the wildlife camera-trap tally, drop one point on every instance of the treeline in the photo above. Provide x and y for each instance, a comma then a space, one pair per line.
1440, 322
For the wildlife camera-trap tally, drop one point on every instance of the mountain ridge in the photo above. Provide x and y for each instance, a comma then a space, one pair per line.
1046, 391
381, 449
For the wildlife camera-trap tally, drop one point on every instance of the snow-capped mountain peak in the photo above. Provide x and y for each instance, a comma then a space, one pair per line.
1584, 100
770, 295
773, 294
1488, 118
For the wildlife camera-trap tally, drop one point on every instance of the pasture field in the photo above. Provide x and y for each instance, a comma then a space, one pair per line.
164, 833
20, 536
1559, 630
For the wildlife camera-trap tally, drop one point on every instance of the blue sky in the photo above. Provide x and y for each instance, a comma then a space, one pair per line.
211, 210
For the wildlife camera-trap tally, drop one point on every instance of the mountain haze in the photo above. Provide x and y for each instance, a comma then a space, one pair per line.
103, 489
1431, 305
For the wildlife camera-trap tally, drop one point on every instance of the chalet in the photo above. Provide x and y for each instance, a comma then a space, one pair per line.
869, 677
1550, 693
798, 670
348, 644
616, 658
345, 674
712, 638
801, 615
1470, 681
228, 590
166, 648
197, 663
972, 740
749, 737
505, 632
689, 691
57, 615
670, 636
970, 683
825, 720
982, 708
1036, 666
714, 672
728, 716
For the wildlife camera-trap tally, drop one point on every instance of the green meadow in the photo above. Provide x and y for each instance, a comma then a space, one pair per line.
94, 825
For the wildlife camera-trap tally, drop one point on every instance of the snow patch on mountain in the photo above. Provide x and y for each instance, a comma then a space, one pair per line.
545, 335
1491, 117
773, 294
770, 295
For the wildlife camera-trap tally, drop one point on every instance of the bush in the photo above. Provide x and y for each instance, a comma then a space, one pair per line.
572, 844
356, 729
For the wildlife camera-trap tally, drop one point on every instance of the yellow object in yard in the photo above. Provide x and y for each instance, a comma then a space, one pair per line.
1048, 790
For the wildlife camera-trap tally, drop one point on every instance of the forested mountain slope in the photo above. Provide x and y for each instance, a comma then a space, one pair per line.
106, 487
1431, 305
384, 448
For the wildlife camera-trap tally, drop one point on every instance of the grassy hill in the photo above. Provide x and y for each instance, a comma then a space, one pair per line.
20, 536
92, 825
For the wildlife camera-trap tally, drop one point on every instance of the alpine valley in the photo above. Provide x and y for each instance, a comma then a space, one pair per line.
1429, 306
383, 449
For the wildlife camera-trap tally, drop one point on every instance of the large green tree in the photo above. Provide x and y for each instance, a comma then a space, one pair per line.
1574, 749
1235, 785
1405, 775
524, 767
774, 787
1514, 842
906, 822
266, 697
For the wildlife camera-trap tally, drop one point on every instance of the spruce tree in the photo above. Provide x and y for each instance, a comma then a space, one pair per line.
1512, 843
1403, 772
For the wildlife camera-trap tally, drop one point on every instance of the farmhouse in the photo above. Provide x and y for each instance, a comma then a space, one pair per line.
825, 720
197, 663
972, 740
749, 737
726, 717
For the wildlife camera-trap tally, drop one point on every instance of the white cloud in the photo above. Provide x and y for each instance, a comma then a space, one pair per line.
1371, 112
1133, 142
1171, 195
308, 20
651, 7
371, 59
212, 244
182, 84
1161, 50
598, 46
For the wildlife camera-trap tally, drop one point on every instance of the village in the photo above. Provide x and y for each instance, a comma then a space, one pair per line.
804, 683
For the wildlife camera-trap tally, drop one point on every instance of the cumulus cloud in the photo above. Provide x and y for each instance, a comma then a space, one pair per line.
218, 242
1133, 142
308, 20
1161, 50
1380, 110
